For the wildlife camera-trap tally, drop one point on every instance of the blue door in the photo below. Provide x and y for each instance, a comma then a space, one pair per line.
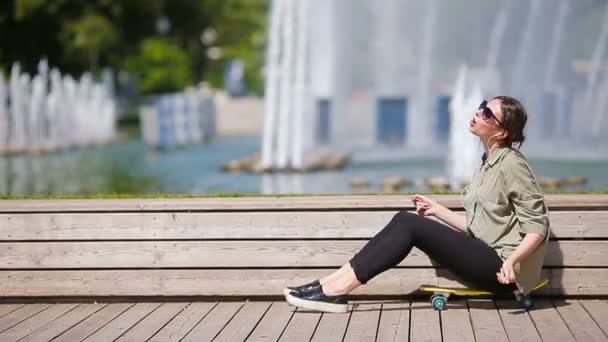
391, 123
323, 128
548, 108
442, 117
564, 113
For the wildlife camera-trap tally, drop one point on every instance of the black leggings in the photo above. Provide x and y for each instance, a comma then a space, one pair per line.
470, 259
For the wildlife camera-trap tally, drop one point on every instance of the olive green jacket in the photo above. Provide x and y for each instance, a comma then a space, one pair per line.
503, 203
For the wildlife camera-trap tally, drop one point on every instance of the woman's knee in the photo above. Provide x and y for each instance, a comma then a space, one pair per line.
404, 215
408, 219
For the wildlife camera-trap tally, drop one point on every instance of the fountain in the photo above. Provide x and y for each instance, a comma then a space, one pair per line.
367, 76
464, 148
35, 118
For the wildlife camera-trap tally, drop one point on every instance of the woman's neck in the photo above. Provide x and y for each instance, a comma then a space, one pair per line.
490, 149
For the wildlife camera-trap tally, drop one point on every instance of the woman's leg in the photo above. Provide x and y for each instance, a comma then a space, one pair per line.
345, 273
471, 259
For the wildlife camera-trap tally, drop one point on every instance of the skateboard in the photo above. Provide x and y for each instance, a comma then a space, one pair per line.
439, 299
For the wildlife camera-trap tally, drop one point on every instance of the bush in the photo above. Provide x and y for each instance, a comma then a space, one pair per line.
160, 66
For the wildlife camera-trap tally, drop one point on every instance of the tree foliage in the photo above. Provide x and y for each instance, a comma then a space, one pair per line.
84, 35
160, 66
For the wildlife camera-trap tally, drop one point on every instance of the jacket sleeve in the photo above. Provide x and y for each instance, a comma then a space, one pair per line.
527, 198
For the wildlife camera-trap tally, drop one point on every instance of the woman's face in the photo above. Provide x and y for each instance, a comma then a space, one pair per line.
485, 127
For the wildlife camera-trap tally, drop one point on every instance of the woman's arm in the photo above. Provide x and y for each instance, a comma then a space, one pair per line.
525, 248
455, 220
427, 207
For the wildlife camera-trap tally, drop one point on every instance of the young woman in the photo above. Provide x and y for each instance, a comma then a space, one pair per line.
499, 246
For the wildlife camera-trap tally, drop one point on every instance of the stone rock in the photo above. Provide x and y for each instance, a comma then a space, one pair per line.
549, 182
437, 183
574, 180
359, 182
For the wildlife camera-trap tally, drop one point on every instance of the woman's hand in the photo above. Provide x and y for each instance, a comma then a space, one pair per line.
424, 205
506, 274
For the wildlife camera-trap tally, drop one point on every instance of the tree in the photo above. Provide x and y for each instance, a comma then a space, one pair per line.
160, 66
84, 35
91, 34
241, 34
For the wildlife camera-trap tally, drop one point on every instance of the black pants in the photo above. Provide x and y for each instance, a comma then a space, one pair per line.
470, 259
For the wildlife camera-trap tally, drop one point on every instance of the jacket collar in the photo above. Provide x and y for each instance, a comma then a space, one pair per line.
494, 156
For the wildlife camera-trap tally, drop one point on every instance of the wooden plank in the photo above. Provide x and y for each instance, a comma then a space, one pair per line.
576, 253
363, 324
301, 326
246, 225
205, 254
123, 323
147, 327
213, 225
272, 325
155, 254
35, 322
331, 327
548, 322
213, 322
93, 323
276, 203
63, 323
579, 224
517, 321
456, 323
243, 322
20, 315
218, 204
576, 281
185, 321
579, 322
260, 282
485, 321
598, 309
5, 309
424, 324
394, 321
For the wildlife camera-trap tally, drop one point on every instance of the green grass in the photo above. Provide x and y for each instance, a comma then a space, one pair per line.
236, 195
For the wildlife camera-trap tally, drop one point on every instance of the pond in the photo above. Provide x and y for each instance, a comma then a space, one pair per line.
132, 168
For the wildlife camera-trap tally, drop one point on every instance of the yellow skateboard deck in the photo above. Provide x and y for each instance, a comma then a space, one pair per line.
463, 291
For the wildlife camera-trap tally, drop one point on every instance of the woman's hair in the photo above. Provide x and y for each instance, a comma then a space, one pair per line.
514, 120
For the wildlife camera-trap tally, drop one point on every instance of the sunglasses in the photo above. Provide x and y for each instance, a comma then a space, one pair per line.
486, 112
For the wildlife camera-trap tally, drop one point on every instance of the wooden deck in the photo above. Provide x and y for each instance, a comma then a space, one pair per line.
381, 320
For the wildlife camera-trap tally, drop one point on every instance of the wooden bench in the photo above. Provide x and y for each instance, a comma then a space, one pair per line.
249, 246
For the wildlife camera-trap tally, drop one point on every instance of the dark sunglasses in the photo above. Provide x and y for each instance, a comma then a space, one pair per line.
486, 113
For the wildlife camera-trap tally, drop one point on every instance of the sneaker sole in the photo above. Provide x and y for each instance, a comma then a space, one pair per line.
317, 306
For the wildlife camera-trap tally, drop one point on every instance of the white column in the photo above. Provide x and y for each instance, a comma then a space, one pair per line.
497, 34
598, 55
519, 69
301, 86
421, 114
286, 104
556, 43
271, 98
3, 114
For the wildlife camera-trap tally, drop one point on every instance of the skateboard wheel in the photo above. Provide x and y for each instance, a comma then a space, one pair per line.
527, 302
439, 302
